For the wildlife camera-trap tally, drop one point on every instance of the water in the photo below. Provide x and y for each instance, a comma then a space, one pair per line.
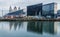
29, 29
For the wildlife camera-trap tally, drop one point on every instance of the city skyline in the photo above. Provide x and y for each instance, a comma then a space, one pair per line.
5, 4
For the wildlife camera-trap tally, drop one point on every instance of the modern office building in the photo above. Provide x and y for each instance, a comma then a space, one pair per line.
58, 14
34, 10
49, 9
55, 16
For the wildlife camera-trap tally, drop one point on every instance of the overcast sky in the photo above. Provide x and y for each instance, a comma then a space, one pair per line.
4, 4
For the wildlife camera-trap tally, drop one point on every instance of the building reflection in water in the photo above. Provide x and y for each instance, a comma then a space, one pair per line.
49, 27
16, 25
31, 26
35, 27
43, 26
13, 26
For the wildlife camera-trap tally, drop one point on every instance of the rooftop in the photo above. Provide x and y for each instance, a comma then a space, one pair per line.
16, 13
49, 4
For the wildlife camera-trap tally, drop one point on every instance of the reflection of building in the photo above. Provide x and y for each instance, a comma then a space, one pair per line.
11, 24
49, 27
15, 25
49, 10
43, 26
35, 27
34, 9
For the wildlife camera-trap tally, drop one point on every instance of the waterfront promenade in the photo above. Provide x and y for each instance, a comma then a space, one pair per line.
29, 19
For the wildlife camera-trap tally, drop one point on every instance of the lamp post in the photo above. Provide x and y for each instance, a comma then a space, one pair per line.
36, 13
39, 14
2, 13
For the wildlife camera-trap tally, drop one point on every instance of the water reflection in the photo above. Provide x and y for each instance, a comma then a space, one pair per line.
35, 27
16, 25
49, 27
42, 26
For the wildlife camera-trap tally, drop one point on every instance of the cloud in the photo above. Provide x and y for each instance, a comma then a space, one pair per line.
31, 2
4, 4
22, 3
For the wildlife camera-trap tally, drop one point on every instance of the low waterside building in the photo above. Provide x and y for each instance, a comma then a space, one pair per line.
16, 14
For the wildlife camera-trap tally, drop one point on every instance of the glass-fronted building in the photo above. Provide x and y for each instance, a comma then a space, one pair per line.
49, 27
49, 9
58, 14
35, 27
42, 27
34, 10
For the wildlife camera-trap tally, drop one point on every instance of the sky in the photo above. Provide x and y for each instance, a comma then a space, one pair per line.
5, 4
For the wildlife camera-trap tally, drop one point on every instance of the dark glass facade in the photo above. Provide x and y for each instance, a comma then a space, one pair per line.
58, 13
49, 9
34, 9
34, 27
49, 27
40, 27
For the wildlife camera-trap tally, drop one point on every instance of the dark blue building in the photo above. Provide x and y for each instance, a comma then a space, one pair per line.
34, 9
49, 9
58, 13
